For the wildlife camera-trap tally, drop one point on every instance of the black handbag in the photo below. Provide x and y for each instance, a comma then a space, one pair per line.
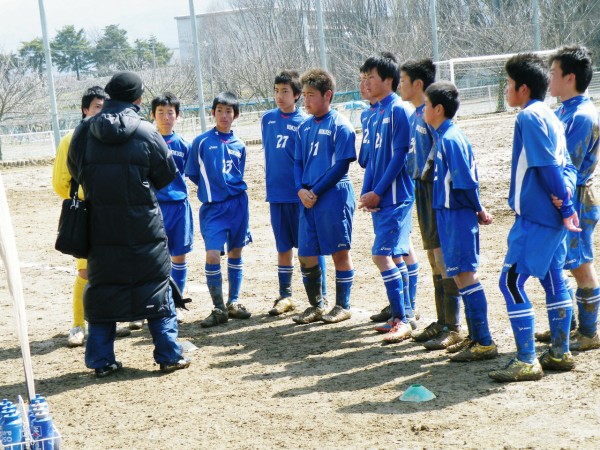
73, 236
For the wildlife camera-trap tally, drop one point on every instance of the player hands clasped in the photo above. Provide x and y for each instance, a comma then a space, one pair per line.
279, 127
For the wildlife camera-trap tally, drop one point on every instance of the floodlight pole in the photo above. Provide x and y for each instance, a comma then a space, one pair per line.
51, 89
434, 36
198, 64
322, 51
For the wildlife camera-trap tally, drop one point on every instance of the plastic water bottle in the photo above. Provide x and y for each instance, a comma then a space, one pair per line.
12, 431
42, 431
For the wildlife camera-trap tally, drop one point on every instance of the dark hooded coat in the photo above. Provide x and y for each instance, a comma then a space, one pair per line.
119, 159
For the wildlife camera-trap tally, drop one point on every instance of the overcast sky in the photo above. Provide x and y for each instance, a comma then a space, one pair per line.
20, 19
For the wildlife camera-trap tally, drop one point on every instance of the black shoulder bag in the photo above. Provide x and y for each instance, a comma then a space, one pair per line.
73, 236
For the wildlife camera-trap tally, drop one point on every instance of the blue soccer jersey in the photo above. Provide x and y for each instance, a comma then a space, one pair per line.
279, 139
177, 189
320, 143
367, 131
539, 140
580, 119
387, 174
422, 147
217, 162
455, 170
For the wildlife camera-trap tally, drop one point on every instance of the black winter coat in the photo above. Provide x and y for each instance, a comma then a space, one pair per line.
120, 159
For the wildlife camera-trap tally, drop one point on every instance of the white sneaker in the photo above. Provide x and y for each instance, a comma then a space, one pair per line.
76, 337
180, 315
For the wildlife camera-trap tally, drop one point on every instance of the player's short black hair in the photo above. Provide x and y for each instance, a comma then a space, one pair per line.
575, 59
166, 99
386, 65
89, 95
422, 69
444, 93
227, 99
292, 78
319, 79
530, 70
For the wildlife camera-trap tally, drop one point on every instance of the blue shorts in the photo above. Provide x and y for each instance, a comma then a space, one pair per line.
535, 248
284, 221
580, 246
392, 226
179, 225
459, 238
226, 222
326, 228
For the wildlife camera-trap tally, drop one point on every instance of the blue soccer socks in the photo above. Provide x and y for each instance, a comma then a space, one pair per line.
235, 268
405, 292
560, 310
343, 287
476, 304
573, 296
284, 273
413, 279
323, 266
311, 278
214, 281
588, 300
179, 274
392, 279
451, 304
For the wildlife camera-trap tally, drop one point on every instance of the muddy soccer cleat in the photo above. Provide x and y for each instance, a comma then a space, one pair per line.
384, 315
337, 314
455, 348
431, 331
399, 332
216, 317
550, 362
136, 325
384, 327
237, 311
475, 352
310, 315
443, 341
543, 336
108, 369
76, 337
517, 370
282, 305
183, 363
580, 343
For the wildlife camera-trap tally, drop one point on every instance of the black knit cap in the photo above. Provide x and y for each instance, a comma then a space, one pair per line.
125, 86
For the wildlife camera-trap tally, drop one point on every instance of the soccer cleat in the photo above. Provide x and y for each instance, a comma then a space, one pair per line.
237, 311
384, 315
122, 332
417, 314
183, 363
76, 337
517, 370
399, 332
563, 364
431, 331
443, 341
384, 327
108, 369
282, 305
216, 317
580, 343
454, 348
180, 315
136, 325
337, 314
412, 321
475, 352
310, 315
543, 336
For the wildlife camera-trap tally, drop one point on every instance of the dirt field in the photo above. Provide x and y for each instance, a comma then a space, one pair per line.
268, 383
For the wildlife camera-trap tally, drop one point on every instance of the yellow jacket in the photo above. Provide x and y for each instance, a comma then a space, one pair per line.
61, 178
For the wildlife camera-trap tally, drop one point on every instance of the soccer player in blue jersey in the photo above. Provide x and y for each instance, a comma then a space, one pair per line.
173, 198
541, 167
324, 151
387, 188
570, 75
365, 122
216, 164
415, 77
459, 213
279, 127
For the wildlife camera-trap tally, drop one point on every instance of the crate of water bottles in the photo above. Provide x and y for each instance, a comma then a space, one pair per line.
28, 428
